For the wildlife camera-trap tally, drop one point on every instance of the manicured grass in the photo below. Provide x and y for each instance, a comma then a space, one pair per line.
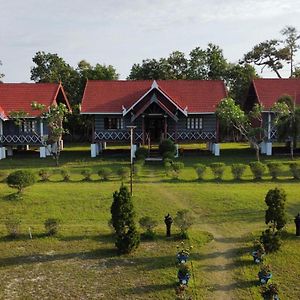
81, 262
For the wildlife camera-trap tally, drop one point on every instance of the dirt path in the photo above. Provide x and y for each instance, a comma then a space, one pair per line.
218, 264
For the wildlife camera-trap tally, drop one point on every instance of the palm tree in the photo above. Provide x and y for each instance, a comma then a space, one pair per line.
287, 120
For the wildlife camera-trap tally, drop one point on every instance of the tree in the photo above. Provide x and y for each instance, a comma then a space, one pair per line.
275, 213
20, 180
291, 39
268, 54
54, 118
123, 221
184, 220
231, 115
238, 79
287, 120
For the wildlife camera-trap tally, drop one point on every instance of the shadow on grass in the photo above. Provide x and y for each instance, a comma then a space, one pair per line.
235, 285
144, 289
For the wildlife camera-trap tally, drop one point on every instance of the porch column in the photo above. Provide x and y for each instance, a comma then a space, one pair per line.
165, 126
269, 126
2, 152
93, 150
9, 151
1, 127
143, 130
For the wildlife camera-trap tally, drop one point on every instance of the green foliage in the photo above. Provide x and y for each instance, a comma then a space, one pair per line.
20, 180
148, 224
65, 174
271, 240
257, 168
167, 146
238, 171
269, 290
270, 54
104, 173
184, 220
123, 172
12, 225
141, 153
275, 168
168, 155
275, 214
3, 176
122, 212
176, 168
45, 174
200, 170
86, 173
295, 170
137, 168
218, 170
52, 226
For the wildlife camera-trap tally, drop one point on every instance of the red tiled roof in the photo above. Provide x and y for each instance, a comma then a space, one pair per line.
109, 96
268, 91
19, 96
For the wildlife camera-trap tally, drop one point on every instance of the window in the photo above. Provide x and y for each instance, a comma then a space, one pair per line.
113, 123
29, 126
194, 123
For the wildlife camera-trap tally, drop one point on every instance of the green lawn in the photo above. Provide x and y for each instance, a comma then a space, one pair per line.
81, 262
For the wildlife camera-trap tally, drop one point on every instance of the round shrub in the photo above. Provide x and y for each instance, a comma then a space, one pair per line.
271, 240
51, 226
12, 225
238, 171
65, 175
45, 174
275, 169
184, 220
104, 173
148, 224
295, 170
141, 153
257, 168
200, 170
217, 170
168, 155
177, 167
167, 146
123, 172
86, 173
20, 180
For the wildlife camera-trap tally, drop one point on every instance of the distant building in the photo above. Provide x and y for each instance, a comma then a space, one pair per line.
266, 92
16, 97
180, 110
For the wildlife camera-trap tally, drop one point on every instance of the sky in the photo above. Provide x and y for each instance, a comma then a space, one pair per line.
124, 32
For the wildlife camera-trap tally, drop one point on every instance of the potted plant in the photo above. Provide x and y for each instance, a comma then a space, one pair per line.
264, 274
183, 274
258, 253
183, 253
270, 292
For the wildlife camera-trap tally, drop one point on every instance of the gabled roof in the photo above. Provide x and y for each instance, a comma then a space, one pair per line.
268, 91
19, 96
116, 95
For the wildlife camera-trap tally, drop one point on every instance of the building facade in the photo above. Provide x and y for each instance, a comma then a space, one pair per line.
180, 110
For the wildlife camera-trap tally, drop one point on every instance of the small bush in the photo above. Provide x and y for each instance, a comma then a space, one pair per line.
200, 170
295, 170
184, 220
168, 155
137, 168
257, 168
141, 153
176, 168
20, 180
51, 226
86, 173
168, 165
167, 146
12, 225
238, 171
65, 174
45, 174
271, 240
148, 224
123, 172
274, 169
105, 173
269, 291
218, 170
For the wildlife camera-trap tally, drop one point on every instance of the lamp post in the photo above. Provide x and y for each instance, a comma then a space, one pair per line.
131, 156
